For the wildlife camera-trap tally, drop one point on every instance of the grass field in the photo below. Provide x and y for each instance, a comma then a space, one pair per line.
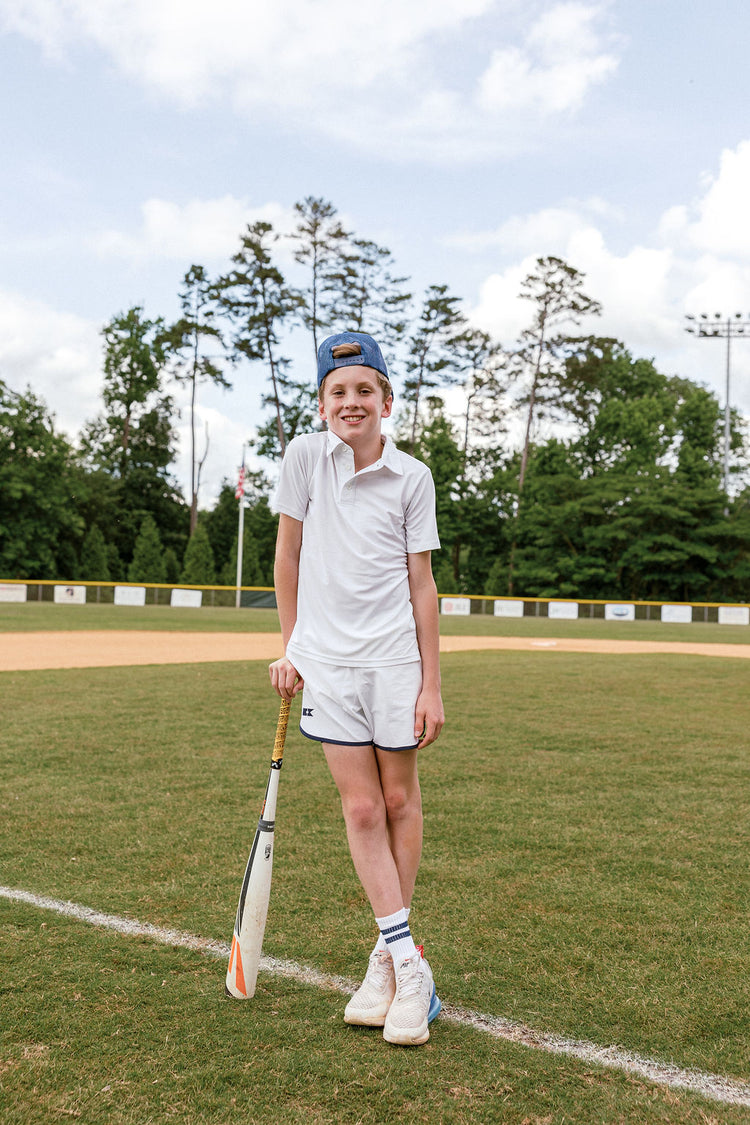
585, 872
34, 616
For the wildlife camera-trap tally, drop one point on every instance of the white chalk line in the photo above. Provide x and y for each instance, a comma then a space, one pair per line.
712, 1086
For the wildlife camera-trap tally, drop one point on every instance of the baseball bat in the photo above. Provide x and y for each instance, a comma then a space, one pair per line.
252, 910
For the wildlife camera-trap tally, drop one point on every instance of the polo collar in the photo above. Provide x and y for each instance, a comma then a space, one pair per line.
389, 457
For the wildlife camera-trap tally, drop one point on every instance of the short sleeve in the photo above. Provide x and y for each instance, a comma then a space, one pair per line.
421, 521
293, 490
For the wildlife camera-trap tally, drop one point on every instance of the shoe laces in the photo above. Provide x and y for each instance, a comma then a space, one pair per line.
380, 966
408, 979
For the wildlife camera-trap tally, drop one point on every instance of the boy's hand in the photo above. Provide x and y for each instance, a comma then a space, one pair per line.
429, 717
285, 678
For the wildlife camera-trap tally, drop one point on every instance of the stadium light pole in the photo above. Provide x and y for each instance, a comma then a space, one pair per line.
725, 328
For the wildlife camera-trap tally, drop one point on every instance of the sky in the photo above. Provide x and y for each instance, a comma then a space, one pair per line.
141, 136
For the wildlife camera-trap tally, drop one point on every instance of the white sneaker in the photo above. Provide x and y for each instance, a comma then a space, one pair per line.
369, 1005
415, 1004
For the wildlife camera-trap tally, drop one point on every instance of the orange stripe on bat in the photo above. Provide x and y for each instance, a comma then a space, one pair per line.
239, 975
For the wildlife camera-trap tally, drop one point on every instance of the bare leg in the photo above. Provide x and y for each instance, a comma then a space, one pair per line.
383, 817
403, 802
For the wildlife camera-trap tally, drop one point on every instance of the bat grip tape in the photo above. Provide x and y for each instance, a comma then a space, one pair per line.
278, 745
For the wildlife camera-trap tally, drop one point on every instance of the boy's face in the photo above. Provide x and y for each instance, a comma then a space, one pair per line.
352, 403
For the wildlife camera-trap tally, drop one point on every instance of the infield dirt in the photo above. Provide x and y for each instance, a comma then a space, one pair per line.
41, 650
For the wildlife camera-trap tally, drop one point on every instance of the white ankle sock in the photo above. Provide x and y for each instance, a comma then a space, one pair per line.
397, 936
380, 944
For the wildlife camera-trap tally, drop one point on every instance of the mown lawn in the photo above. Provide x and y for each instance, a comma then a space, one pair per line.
585, 872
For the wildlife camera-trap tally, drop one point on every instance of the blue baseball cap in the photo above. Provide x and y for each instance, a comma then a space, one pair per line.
369, 355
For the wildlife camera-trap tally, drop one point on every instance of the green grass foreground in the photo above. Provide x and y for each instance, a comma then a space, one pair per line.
37, 616
585, 872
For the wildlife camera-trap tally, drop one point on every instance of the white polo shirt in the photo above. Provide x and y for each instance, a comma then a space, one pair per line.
353, 605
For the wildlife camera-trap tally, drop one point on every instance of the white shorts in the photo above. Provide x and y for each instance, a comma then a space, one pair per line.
360, 706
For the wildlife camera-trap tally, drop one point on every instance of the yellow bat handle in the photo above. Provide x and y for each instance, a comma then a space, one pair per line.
278, 745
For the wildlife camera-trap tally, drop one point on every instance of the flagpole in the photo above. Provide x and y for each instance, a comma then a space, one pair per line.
240, 495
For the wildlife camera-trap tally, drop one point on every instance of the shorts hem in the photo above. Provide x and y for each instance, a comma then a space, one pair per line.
334, 741
395, 749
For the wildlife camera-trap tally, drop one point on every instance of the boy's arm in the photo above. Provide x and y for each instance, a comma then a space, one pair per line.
284, 676
429, 716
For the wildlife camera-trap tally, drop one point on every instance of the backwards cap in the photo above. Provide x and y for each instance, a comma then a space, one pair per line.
370, 354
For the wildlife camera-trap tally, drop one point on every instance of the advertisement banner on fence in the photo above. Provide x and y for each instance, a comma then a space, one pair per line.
460, 607
615, 612
508, 607
70, 595
563, 611
734, 615
130, 595
187, 599
677, 614
12, 592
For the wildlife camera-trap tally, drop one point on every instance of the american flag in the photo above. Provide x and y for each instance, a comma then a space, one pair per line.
241, 483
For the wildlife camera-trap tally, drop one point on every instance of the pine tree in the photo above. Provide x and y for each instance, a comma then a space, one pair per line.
171, 566
556, 289
198, 567
94, 557
259, 303
114, 564
432, 356
190, 365
148, 557
319, 240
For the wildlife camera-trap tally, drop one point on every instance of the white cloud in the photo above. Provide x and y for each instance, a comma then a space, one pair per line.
548, 229
717, 223
202, 230
698, 261
634, 290
560, 61
373, 74
711, 237
56, 353
718, 286
266, 52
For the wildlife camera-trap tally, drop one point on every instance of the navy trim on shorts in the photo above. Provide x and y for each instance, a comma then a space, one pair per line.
395, 749
334, 741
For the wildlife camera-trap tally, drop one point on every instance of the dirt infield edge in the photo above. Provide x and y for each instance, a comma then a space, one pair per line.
90, 649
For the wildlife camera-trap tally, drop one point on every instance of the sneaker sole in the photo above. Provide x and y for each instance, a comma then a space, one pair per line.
435, 1006
365, 1019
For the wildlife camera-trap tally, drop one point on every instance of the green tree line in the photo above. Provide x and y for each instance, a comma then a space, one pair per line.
564, 465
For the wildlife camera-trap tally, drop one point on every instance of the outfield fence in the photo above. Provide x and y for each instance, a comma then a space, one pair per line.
195, 596
134, 594
723, 613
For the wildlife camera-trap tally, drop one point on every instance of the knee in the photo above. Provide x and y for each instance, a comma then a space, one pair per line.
364, 813
402, 803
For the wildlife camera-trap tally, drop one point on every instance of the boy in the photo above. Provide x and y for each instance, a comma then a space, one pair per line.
359, 618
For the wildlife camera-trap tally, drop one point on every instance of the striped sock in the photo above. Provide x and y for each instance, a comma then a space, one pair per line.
380, 944
397, 935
